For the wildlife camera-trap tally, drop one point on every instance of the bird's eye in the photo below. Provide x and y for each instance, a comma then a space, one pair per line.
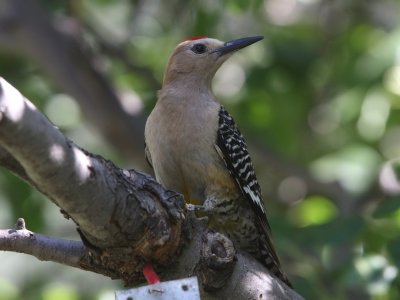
199, 48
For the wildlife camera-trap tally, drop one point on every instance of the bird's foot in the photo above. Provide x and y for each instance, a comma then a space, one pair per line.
195, 208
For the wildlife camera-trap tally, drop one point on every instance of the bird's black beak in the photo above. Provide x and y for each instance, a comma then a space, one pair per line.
237, 44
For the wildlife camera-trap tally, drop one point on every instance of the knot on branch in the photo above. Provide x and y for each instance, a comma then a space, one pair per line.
20, 225
217, 260
147, 220
162, 221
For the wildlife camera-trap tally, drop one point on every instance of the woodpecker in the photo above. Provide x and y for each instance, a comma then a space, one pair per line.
195, 148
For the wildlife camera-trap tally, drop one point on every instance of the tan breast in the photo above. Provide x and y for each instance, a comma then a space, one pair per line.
180, 138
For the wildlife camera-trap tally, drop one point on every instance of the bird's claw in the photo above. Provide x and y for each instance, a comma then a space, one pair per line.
192, 207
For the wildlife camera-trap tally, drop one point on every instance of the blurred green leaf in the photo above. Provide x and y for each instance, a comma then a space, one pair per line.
393, 248
314, 210
340, 231
8, 291
23, 202
387, 207
354, 166
59, 291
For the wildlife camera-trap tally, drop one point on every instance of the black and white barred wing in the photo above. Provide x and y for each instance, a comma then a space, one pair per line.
232, 148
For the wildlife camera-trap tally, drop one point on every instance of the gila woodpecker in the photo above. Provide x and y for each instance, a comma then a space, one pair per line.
196, 149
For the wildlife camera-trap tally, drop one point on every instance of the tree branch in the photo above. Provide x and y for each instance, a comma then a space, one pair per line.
247, 279
10, 163
124, 217
19, 239
115, 209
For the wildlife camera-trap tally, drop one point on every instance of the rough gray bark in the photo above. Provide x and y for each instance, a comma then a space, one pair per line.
120, 213
124, 217
19, 239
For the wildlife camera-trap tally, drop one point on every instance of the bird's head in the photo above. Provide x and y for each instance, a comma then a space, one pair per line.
198, 58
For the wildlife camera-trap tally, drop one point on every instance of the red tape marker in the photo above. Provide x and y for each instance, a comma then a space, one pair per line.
150, 275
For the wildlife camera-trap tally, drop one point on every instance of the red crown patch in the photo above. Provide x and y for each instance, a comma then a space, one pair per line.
193, 38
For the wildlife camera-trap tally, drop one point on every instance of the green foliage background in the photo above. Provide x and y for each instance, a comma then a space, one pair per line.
321, 93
